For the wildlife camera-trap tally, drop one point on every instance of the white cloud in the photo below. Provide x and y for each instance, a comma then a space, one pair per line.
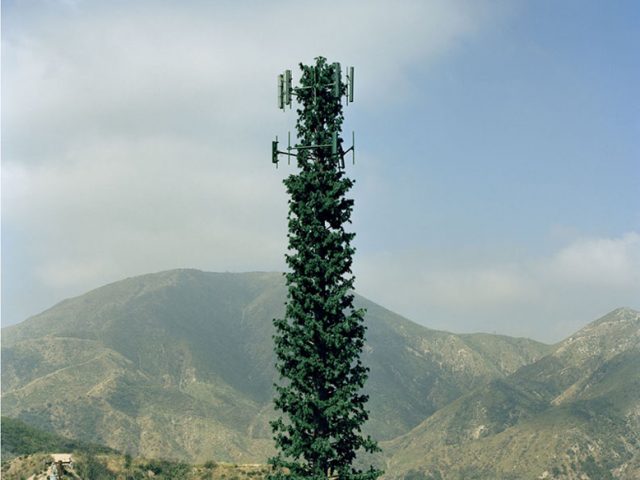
143, 213
135, 134
600, 262
472, 289
201, 69
547, 298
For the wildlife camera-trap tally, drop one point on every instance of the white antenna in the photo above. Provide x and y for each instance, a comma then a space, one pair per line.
285, 94
287, 87
281, 91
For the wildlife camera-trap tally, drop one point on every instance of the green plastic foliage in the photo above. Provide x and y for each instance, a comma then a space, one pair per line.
319, 342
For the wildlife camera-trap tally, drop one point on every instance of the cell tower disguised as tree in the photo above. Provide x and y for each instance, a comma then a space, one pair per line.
319, 342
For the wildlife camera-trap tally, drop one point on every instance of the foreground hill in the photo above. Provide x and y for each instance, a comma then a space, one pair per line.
26, 453
20, 439
114, 466
179, 365
575, 413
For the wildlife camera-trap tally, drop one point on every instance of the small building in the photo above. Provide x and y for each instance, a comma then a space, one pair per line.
64, 458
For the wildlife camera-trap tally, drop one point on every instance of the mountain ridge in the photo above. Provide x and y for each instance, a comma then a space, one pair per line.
179, 364
129, 353
582, 398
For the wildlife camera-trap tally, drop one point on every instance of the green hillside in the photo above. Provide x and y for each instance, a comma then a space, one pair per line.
574, 412
179, 365
18, 438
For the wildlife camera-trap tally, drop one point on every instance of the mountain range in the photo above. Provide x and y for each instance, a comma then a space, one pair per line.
574, 412
179, 365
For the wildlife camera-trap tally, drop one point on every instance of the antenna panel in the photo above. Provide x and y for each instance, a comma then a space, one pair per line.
337, 77
274, 151
287, 87
281, 91
350, 84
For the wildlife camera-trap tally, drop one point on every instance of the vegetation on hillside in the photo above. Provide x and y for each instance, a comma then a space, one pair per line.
572, 415
20, 439
140, 365
187, 357
100, 466
27, 450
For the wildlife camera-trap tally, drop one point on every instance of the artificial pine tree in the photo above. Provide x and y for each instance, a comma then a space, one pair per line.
319, 342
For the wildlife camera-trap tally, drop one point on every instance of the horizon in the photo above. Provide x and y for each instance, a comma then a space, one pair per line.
187, 269
496, 165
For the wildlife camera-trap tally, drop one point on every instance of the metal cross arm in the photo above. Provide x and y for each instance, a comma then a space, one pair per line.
275, 152
336, 148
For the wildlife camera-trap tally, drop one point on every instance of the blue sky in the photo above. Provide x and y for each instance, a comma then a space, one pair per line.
498, 159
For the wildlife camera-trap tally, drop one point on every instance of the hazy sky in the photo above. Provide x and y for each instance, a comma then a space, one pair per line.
498, 151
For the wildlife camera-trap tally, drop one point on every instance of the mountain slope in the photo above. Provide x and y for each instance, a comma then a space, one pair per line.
575, 411
179, 364
18, 438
